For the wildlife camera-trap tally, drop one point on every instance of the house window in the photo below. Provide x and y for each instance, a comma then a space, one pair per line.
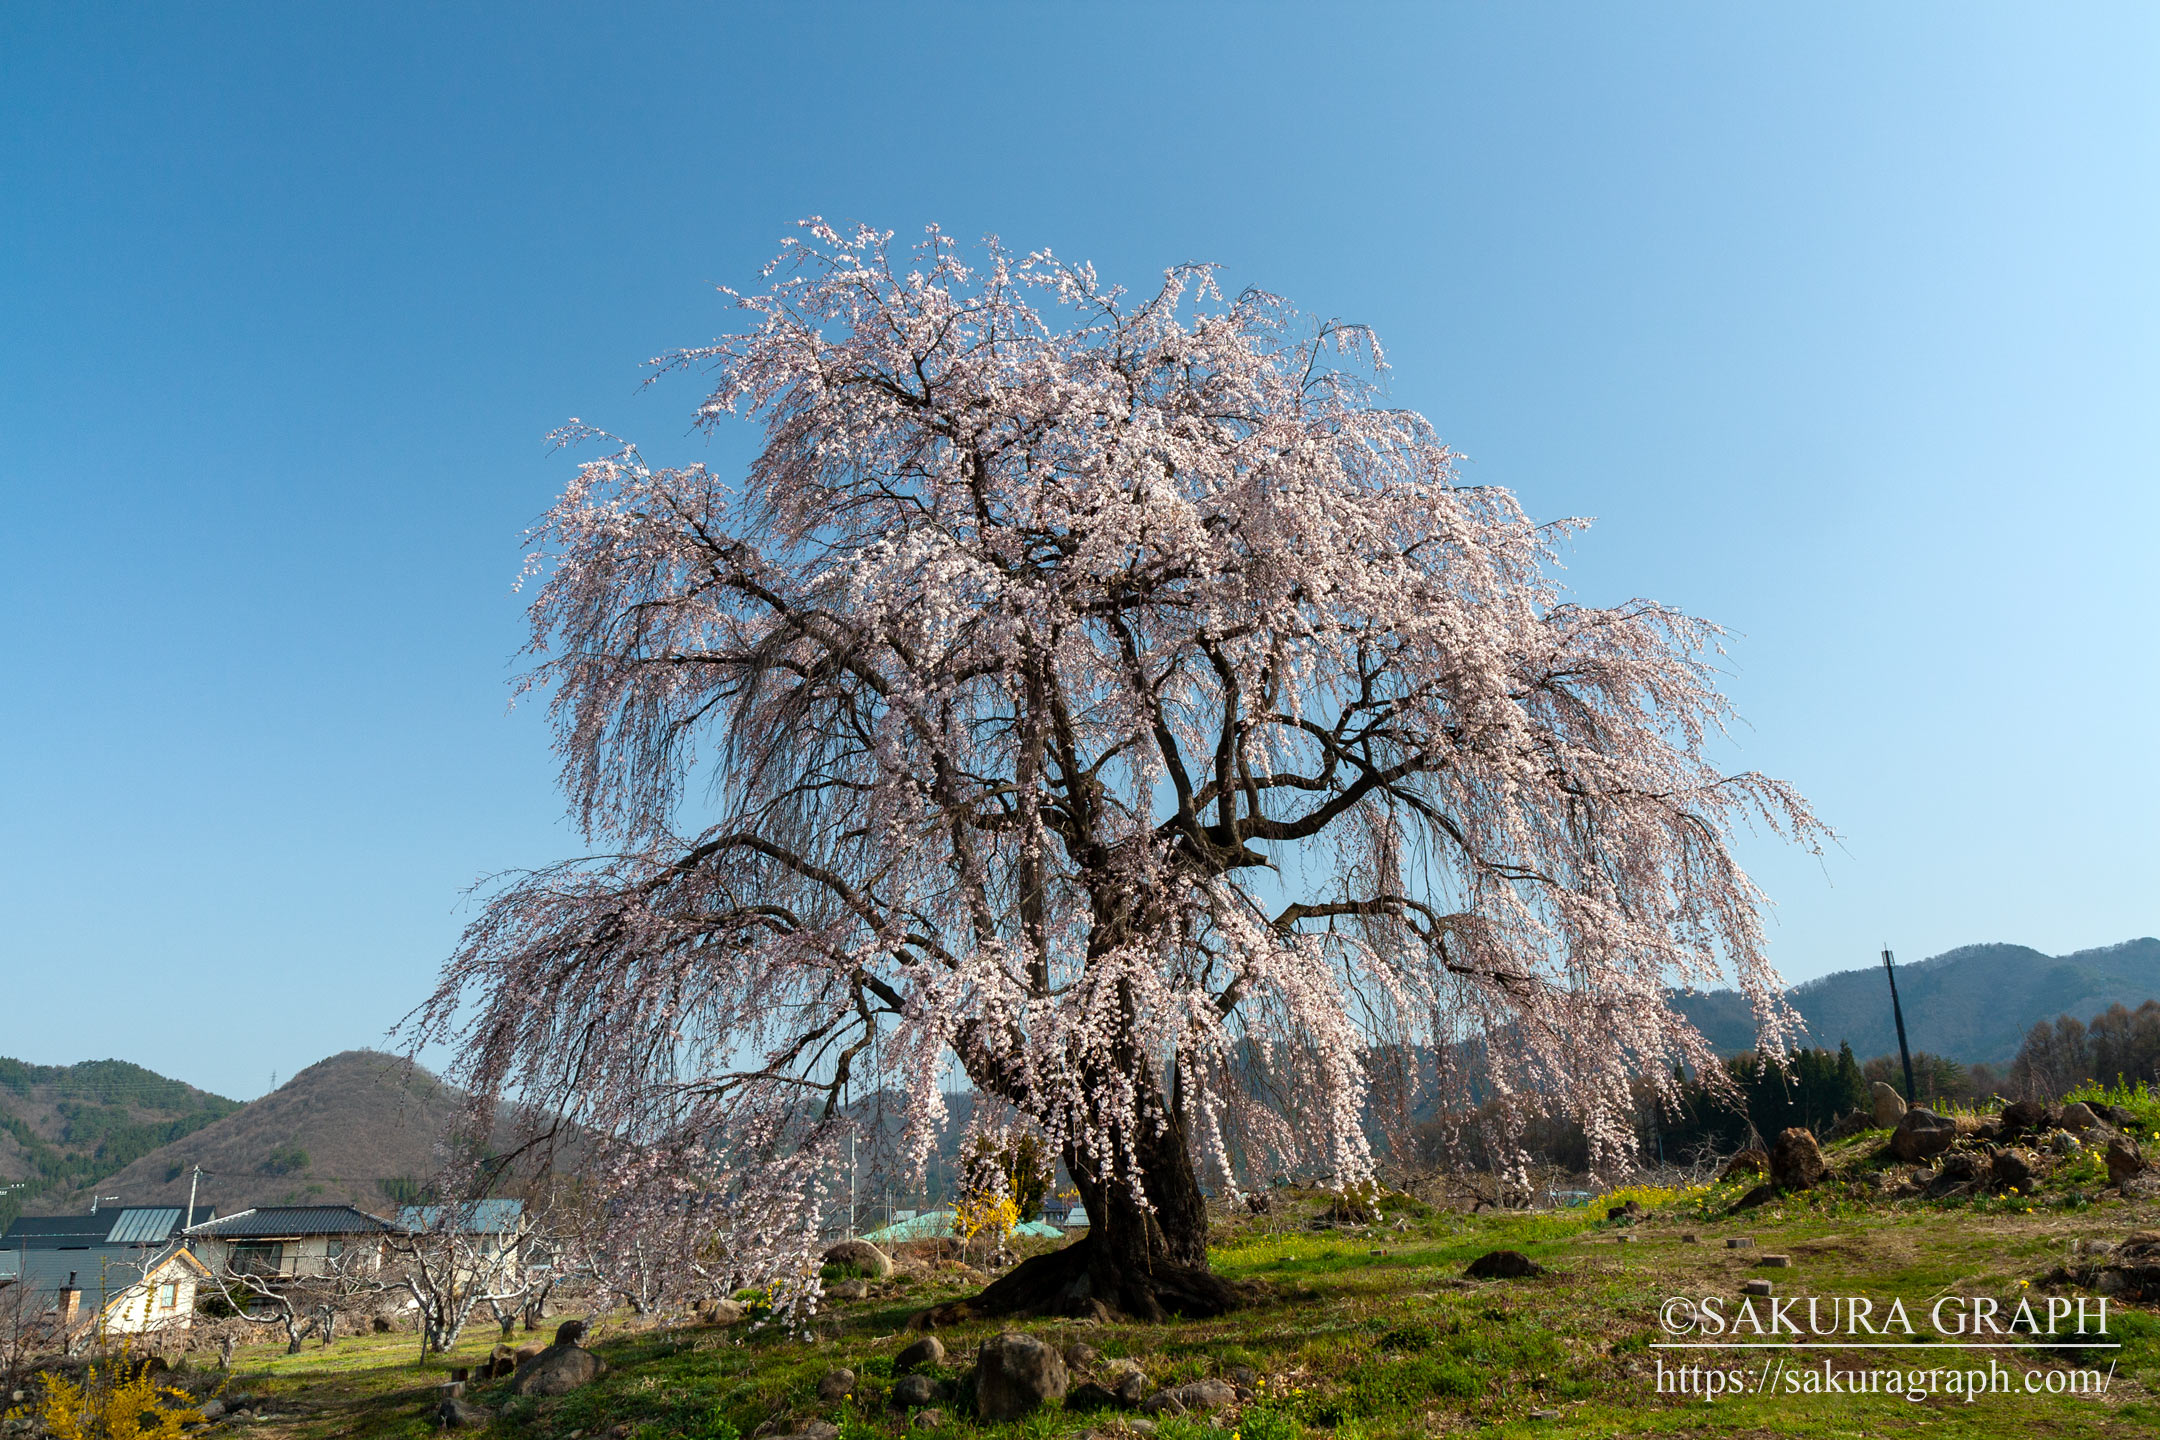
168, 1296
260, 1258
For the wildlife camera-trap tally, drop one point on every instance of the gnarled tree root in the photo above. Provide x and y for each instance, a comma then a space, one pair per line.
1072, 1281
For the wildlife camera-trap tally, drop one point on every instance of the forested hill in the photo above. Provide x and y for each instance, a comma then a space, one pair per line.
1973, 1004
64, 1126
360, 1128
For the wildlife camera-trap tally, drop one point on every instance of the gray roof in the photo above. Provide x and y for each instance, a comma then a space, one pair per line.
136, 1225
478, 1217
102, 1271
288, 1222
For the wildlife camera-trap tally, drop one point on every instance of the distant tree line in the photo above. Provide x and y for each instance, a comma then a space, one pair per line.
2121, 1046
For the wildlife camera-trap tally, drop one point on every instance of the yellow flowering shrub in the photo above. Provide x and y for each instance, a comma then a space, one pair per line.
120, 1400
990, 1216
1650, 1197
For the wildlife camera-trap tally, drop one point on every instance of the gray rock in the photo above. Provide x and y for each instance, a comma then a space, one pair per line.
1740, 1242
1016, 1374
1775, 1262
1127, 1426
2077, 1115
1755, 1287
1199, 1397
1921, 1134
2064, 1144
212, 1409
835, 1385
913, 1390
1796, 1161
1128, 1383
457, 1413
2012, 1170
721, 1312
559, 1369
2124, 1161
862, 1257
923, 1353
927, 1420
815, 1430
1889, 1105
1081, 1356
848, 1289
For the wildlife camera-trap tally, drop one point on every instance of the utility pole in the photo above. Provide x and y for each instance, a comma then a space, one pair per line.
1898, 1012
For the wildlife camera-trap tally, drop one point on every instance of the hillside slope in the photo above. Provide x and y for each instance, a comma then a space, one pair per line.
358, 1128
62, 1126
1973, 1004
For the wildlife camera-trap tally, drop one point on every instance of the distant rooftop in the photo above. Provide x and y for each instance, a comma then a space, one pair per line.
285, 1222
134, 1225
481, 1217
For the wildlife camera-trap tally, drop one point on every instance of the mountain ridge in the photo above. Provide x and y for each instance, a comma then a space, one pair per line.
1972, 1004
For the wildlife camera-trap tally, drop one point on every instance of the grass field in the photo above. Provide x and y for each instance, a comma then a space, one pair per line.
1369, 1346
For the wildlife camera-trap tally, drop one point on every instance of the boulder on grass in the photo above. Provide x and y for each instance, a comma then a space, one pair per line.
1796, 1161
562, 1367
1201, 1397
1889, 1105
457, 1413
1748, 1162
2077, 1115
1016, 1374
921, 1355
1128, 1383
912, 1390
2012, 1170
862, 1257
1922, 1134
2124, 1161
835, 1385
1503, 1265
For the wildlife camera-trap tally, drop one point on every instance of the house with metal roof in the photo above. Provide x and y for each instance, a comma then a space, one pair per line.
476, 1217
135, 1225
292, 1241
116, 1289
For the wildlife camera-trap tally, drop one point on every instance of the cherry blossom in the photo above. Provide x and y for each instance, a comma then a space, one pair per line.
1115, 698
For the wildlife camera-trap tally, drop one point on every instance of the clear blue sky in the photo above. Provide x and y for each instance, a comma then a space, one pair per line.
1841, 321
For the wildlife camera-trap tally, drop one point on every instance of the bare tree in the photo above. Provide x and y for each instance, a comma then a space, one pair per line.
304, 1304
25, 1330
451, 1269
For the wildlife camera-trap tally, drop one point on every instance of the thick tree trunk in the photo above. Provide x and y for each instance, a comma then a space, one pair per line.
1147, 1263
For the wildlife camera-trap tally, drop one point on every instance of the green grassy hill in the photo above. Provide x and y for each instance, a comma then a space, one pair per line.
65, 1126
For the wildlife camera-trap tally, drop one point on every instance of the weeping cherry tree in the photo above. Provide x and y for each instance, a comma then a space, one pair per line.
1117, 700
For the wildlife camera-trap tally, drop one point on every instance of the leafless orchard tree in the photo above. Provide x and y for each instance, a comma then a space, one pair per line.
24, 1331
450, 1270
302, 1305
